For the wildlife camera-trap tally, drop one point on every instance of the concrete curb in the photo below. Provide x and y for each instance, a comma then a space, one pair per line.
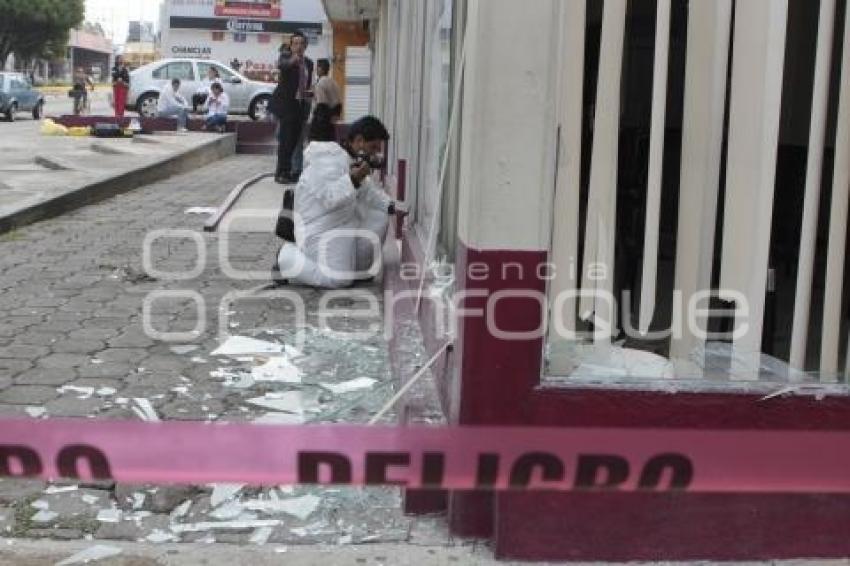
222, 146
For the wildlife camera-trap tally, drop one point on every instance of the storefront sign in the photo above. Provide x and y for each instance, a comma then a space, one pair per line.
191, 51
244, 26
250, 8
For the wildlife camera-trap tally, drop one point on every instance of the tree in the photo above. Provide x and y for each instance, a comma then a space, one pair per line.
37, 28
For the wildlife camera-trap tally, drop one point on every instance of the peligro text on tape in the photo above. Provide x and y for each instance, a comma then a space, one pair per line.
429, 457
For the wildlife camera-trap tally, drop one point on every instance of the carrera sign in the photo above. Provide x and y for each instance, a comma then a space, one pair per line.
245, 26
249, 8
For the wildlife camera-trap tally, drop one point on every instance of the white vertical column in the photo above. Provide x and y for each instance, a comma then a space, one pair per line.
602, 200
566, 210
837, 220
507, 158
656, 165
811, 203
709, 25
757, 69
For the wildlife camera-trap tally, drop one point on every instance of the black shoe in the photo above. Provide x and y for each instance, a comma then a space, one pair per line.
286, 179
277, 279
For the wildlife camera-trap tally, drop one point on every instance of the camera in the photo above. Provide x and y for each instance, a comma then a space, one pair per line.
374, 162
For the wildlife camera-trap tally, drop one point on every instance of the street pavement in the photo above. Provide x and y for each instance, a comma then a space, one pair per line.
73, 344
40, 173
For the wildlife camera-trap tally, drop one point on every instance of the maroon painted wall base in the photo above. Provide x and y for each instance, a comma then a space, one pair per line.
626, 527
500, 384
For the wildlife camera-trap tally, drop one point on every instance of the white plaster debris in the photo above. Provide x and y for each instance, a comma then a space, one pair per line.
60, 489
91, 554
351, 386
137, 516
293, 352
280, 419
298, 507
44, 516
223, 492
109, 515
209, 526
242, 346
144, 410
288, 402
36, 412
181, 510
204, 210
261, 535
233, 379
227, 511
158, 536
182, 350
278, 369
82, 392
40, 504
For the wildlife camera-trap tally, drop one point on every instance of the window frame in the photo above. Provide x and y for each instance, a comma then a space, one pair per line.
157, 73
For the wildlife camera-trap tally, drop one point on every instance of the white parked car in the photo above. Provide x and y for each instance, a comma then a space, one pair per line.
246, 96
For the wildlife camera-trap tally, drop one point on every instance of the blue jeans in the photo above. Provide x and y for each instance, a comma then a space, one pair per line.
216, 120
298, 154
181, 114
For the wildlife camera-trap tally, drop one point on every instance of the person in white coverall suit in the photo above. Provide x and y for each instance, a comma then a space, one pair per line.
341, 216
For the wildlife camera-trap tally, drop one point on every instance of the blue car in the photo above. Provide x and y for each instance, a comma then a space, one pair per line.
18, 95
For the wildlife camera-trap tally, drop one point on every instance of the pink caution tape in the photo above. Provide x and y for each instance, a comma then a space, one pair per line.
449, 457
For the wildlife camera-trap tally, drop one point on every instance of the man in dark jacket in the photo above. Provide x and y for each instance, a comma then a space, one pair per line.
291, 103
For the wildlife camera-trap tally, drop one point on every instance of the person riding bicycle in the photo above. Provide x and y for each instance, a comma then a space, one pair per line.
79, 92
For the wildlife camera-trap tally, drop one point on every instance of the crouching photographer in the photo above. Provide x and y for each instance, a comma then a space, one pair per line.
339, 213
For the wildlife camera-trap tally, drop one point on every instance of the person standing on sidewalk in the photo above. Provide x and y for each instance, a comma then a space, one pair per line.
327, 91
79, 92
291, 105
120, 86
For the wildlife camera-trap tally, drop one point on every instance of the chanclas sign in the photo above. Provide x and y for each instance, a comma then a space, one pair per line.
249, 8
194, 51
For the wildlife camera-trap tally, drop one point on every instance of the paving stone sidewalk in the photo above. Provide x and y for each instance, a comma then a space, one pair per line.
73, 344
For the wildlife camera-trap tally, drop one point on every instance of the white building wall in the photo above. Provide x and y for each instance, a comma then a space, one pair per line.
507, 158
256, 56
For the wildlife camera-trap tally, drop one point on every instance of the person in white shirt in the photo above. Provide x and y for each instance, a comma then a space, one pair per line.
172, 104
218, 105
199, 99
